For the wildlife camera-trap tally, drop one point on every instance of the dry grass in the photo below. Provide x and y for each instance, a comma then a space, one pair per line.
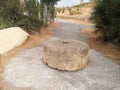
81, 18
95, 42
33, 41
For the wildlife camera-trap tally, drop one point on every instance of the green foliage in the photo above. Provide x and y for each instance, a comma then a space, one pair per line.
51, 12
48, 11
10, 10
6, 24
12, 13
32, 8
29, 24
107, 19
9, 13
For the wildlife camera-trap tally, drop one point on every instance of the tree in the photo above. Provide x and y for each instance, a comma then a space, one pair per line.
32, 8
47, 10
38, 12
1, 2
10, 10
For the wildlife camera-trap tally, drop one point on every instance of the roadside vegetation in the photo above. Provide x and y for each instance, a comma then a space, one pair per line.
106, 17
27, 14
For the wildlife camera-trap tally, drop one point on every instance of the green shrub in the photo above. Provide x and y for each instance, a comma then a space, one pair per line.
32, 7
106, 16
10, 10
5, 23
37, 13
29, 24
11, 15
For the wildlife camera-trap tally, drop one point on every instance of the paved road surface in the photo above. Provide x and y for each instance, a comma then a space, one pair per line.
26, 71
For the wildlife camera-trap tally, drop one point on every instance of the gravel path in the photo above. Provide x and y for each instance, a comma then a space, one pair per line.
27, 69
69, 30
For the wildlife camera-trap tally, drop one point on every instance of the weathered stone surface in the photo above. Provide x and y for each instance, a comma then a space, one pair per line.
67, 55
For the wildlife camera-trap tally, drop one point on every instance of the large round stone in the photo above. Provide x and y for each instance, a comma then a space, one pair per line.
67, 55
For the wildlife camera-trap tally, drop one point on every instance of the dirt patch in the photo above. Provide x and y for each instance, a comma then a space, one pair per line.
33, 41
95, 42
